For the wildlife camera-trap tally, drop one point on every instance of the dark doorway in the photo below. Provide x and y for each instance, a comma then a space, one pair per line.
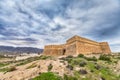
64, 51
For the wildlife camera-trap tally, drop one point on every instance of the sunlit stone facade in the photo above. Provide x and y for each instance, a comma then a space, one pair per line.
77, 45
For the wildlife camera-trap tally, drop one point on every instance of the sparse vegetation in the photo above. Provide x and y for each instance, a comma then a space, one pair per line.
118, 57
70, 67
31, 66
8, 69
52, 76
47, 76
91, 58
50, 66
23, 62
76, 62
82, 63
43, 57
105, 58
82, 71
4, 69
70, 56
81, 55
12, 68
98, 67
2, 64
66, 77
79, 68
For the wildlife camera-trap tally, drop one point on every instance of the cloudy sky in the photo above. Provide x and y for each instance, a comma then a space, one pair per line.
35, 23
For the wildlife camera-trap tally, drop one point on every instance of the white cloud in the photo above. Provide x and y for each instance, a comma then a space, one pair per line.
30, 19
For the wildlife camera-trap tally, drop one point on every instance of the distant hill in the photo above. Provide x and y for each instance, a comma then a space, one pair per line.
10, 49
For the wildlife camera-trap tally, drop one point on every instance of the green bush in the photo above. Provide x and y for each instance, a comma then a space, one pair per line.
81, 55
50, 66
52, 76
76, 62
97, 67
91, 58
66, 77
47, 76
70, 67
104, 58
69, 56
69, 60
82, 63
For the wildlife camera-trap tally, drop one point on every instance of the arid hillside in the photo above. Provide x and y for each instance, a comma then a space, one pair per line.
80, 67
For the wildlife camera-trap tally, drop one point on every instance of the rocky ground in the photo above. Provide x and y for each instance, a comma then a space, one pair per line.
32, 69
81, 67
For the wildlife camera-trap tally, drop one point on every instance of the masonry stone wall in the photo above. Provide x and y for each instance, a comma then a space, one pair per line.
70, 49
105, 47
86, 48
77, 45
54, 50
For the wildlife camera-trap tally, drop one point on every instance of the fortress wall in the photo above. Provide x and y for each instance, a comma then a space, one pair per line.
77, 45
105, 47
54, 50
70, 49
87, 48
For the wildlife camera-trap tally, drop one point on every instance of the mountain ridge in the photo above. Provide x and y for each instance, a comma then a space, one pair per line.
11, 49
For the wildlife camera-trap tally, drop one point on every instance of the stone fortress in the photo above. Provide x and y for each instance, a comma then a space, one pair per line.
77, 45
